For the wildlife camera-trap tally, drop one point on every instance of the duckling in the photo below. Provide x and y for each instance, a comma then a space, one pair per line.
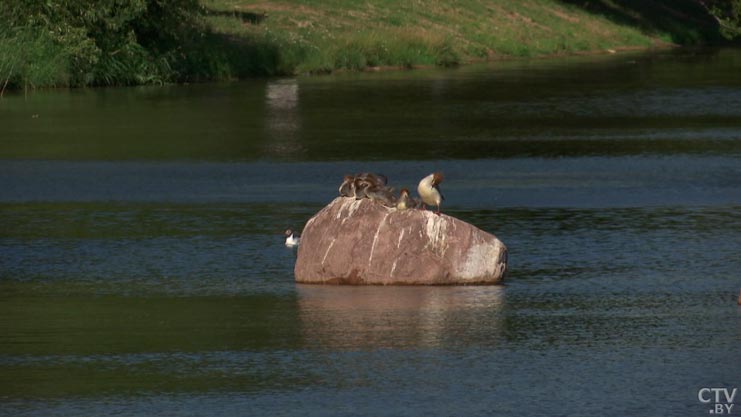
429, 191
375, 179
361, 186
347, 188
383, 195
405, 201
291, 240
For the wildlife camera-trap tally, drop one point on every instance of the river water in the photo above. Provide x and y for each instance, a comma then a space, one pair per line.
142, 268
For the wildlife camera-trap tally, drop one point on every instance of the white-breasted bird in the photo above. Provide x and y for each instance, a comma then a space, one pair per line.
291, 240
429, 190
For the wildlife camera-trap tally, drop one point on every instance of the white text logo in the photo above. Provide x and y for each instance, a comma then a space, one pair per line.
721, 399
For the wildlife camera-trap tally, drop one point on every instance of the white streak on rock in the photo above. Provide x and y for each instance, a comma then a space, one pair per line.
348, 207
328, 249
480, 262
436, 229
375, 238
401, 236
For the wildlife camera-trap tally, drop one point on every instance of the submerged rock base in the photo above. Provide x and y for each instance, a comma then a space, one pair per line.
362, 242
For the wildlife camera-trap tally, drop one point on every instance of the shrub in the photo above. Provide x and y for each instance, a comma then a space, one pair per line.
91, 42
728, 15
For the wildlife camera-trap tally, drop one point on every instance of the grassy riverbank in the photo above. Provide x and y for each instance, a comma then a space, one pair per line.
144, 42
327, 35
331, 35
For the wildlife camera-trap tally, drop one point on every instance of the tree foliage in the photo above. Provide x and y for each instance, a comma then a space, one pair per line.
100, 41
728, 15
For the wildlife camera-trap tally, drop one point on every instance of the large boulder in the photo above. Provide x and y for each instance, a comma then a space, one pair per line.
363, 242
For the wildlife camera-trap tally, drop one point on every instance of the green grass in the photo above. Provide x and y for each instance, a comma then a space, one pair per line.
320, 36
231, 39
29, 59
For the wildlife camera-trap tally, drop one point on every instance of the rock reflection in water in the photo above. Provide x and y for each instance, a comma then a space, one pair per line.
283, 119
349, 317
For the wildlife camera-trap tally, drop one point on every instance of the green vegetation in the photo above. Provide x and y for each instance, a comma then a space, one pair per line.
315, 36
683, 22
116, 42
127, 42
728, 15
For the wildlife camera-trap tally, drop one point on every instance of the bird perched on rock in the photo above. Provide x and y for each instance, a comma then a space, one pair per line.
405, 201
379, 180
360, 186
347, 188
291, 240
367, 182
366, 185
429, 190
383, 195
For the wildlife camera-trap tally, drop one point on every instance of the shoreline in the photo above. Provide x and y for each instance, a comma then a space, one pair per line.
657, 46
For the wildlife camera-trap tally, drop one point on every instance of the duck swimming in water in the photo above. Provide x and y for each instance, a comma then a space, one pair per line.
291, 240
429, 191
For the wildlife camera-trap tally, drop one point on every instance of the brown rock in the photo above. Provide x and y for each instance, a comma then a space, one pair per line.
362, 242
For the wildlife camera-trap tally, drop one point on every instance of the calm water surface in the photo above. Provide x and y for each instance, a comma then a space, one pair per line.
142, 269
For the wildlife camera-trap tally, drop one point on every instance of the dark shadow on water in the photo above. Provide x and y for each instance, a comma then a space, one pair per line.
240, 57
685, 21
